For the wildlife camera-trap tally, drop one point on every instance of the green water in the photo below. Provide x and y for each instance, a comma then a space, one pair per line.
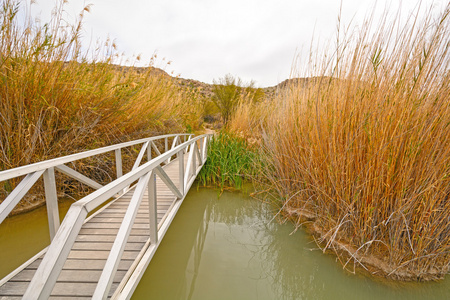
227, 249
24, 235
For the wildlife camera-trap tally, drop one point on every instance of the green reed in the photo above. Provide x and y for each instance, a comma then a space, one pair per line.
231, 162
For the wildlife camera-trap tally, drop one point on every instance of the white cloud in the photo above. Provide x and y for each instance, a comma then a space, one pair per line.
252, 39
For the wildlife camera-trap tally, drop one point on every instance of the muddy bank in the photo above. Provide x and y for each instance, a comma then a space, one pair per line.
352, 259
27, 204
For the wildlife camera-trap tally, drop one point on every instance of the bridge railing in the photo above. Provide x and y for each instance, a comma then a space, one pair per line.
48, 271
47, 169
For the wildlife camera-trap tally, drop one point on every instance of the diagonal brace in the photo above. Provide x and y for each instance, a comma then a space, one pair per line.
166, 179
17, 194
140, 156
156, 149
78, 176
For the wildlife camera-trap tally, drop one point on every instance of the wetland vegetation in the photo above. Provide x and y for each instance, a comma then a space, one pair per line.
356, 147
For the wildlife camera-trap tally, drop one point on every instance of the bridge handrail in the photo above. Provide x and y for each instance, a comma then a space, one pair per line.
43, 165
47, 170
48, 271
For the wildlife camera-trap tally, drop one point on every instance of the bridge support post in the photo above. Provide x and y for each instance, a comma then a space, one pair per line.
149, 152
51, 199
204, 149
194, 158
152, 207
181, 172
118, 154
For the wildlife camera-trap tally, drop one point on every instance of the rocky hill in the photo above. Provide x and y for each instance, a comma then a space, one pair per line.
206, 89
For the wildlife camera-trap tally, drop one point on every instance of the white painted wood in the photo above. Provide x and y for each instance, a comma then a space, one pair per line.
181, 171
17, 194
169, 183
101, 195
105, 281
199, 156
204, 149
131, 269
41, 253
51, 199
78, 176
149, 153
133, 281
155, 148
175, 142
194, 158
152, 209
16, 172
188, 139
140, 156
44, 280
187, 174
139, 231
118, 155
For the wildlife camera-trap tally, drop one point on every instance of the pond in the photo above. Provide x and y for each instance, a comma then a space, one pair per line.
227, 248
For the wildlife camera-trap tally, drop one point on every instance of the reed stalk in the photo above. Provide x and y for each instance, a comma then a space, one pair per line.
361, 152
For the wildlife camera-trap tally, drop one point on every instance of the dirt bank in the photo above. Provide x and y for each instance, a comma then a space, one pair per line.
352, 259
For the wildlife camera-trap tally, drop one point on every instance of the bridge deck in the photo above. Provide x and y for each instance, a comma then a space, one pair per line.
85, 263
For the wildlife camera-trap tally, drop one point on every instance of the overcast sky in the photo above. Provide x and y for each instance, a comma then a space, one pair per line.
206, 39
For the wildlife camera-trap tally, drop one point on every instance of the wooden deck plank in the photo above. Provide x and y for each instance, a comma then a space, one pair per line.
105, 246
85, 264
110, 238
13, 288
102, 225
111, 231
70, 276
120, 215
141, 212
118, 220
78, 289
100, 254
69, 298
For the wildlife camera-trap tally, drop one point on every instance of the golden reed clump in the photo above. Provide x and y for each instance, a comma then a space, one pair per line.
361, 153
57, 98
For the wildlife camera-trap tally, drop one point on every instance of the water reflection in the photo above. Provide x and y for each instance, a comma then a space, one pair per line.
227, 249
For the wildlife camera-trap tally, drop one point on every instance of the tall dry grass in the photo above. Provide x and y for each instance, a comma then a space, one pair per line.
362, 152
58, 98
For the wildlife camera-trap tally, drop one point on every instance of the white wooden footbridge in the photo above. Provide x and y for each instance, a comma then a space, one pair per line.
104, 255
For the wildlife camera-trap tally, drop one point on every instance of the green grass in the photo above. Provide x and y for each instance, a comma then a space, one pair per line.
231, 162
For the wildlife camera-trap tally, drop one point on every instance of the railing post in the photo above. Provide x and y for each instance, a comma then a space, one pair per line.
181, 170
204, 148
51, 199
149, 152
152, 207
194, 159
188, 138
166, 145
118, 153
